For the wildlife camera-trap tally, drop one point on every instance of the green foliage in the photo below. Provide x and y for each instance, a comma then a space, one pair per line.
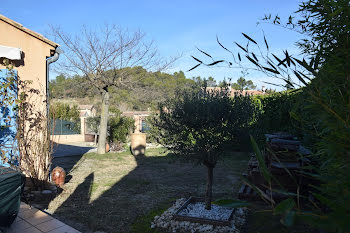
153, 132
243, 84
120, 128
274, 114
329, 105
9, 101
261, 160
323, 110
64, 112
73, 87
148, 88
329, 210
284, 206
93, 124
327, 24
200, 124
320, 110
231, 203
143, 223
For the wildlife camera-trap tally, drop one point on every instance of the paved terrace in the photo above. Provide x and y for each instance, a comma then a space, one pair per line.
32, 220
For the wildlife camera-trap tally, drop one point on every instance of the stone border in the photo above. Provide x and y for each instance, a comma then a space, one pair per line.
166, 223
179, 217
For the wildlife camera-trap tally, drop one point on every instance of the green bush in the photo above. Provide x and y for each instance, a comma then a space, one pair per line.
62, 111
273, 114
322, 112
120, 128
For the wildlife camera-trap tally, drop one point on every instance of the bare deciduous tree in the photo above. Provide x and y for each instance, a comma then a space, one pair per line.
101, 55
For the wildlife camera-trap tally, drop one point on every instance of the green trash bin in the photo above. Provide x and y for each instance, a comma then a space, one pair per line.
11, 186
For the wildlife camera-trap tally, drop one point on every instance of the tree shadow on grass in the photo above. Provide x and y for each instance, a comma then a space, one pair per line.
81, 195
153, 181
61, 150
68, 156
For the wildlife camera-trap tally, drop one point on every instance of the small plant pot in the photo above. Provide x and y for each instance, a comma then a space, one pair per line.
138, 144
58, 176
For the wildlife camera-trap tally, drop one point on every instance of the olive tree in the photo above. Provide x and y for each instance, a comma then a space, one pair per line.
100, 56
199, 125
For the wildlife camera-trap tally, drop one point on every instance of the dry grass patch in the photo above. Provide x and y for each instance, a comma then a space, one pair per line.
110, 192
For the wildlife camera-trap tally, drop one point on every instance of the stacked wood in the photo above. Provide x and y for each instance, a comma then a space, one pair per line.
284, 157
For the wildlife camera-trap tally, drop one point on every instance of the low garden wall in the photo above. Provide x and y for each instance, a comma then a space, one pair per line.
68, 138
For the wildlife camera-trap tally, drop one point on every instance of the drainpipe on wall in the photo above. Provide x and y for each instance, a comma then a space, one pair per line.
50, 60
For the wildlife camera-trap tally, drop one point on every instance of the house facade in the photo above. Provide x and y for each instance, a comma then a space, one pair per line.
30, 54
232, 92
87, 110
28, 51
140, 120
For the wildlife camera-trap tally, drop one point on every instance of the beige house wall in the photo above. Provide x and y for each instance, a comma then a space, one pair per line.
63, 139
35, 50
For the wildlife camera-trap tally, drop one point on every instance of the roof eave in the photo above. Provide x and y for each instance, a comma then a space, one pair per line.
28, 31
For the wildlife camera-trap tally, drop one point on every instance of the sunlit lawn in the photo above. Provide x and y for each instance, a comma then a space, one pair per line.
118, 193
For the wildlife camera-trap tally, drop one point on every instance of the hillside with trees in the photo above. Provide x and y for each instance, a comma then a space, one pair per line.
148, 89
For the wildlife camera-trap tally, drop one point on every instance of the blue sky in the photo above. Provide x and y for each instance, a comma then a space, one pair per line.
176, 26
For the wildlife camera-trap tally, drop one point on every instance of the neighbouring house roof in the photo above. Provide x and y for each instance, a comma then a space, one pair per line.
28, 31
235, 92
85, 107
214, 89
246, 92
86, 110
135, 113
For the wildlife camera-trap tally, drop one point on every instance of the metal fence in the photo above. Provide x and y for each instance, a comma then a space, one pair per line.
63, 127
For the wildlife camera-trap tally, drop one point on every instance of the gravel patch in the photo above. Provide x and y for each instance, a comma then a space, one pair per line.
198, 210
166, 223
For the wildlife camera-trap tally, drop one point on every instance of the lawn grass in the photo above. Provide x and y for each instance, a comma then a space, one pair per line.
142, 223
117, 192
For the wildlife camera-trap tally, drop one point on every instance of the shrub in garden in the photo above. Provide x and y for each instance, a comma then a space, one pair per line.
62, 111
199, 125
274, 114
119, 127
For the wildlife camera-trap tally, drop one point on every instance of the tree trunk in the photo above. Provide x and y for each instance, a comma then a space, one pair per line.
209, 192
101, 148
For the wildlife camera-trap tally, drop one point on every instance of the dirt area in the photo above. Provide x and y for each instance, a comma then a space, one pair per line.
109, 192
